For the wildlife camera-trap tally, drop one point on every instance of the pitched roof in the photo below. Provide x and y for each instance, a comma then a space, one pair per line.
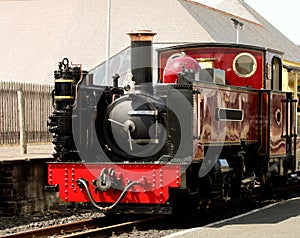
264, 34
237, 8
36, 34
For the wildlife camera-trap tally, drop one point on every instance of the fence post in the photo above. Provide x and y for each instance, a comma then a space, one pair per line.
21, 109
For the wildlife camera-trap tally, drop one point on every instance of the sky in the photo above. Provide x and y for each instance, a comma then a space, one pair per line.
283, 15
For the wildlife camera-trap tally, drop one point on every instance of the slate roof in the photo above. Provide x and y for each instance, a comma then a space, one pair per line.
36, 34
264, 34
256, 30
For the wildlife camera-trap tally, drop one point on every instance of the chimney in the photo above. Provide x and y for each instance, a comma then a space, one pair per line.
141, 56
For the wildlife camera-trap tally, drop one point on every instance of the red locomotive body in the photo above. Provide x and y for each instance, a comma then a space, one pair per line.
228, 58
218, 128
153, 182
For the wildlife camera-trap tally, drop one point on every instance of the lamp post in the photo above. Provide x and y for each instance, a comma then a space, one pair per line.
237, 26
107, 42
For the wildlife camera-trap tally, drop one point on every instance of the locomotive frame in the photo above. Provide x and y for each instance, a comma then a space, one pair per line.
213, 133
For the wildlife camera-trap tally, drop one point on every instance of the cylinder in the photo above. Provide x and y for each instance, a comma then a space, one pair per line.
141, 56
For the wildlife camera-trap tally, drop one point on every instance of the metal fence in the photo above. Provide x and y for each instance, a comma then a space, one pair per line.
37, 109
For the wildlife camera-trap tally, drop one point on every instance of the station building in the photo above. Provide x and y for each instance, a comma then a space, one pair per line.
38, 34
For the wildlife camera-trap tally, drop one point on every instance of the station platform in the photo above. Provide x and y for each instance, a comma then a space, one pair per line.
280, 220
23, 178
10, 153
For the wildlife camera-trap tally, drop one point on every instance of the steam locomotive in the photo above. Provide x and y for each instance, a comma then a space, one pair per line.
216, 125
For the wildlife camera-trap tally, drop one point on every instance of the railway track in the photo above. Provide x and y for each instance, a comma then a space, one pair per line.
105, 226
100, 227
117, 229
56, 230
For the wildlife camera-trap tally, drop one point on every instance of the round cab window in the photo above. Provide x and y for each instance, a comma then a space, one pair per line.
244, 65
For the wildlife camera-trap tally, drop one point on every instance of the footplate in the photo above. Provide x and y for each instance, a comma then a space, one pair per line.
106, 182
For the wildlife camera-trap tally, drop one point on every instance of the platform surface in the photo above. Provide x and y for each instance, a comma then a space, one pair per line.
34, 151
280, 220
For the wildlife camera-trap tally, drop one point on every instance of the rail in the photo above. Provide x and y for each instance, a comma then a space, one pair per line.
100, 227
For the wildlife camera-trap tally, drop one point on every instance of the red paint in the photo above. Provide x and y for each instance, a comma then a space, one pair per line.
213, 131
155, 181
224, 57
176, 66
